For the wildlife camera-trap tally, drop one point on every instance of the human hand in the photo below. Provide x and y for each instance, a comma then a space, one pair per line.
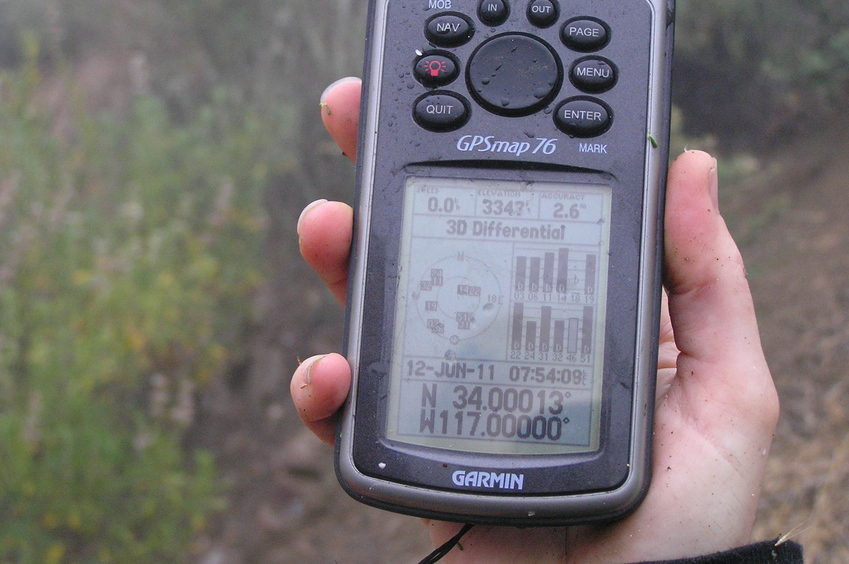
716, 405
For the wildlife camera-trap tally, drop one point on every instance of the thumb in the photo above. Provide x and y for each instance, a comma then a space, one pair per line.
710, 304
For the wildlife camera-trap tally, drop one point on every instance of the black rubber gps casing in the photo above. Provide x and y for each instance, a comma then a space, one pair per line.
591, 76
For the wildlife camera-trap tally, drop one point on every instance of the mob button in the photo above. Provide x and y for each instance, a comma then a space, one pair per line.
441, 111
583, 117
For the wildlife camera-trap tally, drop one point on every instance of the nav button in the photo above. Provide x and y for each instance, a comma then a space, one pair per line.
441, 111
449, 29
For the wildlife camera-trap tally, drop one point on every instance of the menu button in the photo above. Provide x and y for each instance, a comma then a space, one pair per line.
593, 74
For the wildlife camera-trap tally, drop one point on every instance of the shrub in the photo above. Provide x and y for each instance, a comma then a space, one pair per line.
755, 71
129, 249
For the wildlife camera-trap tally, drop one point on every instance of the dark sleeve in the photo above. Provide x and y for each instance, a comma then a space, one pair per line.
766, 552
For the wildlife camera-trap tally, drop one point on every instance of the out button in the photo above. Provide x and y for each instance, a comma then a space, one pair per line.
543, 13
441, 111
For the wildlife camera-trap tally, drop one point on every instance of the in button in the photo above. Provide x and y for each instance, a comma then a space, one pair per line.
493, 12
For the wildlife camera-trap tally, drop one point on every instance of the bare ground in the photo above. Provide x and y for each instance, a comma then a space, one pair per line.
791, 218
793, 225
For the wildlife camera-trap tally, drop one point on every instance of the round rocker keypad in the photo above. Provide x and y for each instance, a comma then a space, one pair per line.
514, 74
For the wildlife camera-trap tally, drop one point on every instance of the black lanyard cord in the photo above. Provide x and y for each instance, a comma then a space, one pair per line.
446, 547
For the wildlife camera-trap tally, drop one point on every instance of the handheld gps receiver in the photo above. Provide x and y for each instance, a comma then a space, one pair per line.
505, 275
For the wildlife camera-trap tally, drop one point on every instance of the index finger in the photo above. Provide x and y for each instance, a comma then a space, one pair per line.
324, 236
340, 112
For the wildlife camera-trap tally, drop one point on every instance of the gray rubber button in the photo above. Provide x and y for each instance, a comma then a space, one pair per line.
583, 117
442, 111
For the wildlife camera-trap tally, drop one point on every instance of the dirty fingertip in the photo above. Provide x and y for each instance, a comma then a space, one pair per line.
320, 386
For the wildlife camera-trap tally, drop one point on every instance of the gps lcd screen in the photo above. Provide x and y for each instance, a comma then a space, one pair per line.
500, 316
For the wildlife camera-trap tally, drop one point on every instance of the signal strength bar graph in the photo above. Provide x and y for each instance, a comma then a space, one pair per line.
551, 272
549, 329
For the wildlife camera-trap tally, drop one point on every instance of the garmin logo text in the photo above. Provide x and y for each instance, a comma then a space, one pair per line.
492, 480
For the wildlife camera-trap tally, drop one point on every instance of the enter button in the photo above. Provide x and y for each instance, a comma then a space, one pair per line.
583, 117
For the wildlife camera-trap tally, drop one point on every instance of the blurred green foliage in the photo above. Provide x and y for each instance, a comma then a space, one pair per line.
129, 251
798, 44
757, 70
154, 156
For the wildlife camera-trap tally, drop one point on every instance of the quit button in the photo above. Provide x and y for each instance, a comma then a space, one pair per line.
442, 111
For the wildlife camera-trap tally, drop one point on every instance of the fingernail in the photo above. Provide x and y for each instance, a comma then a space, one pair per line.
714, 185
308, 374
306, 211
322, 102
